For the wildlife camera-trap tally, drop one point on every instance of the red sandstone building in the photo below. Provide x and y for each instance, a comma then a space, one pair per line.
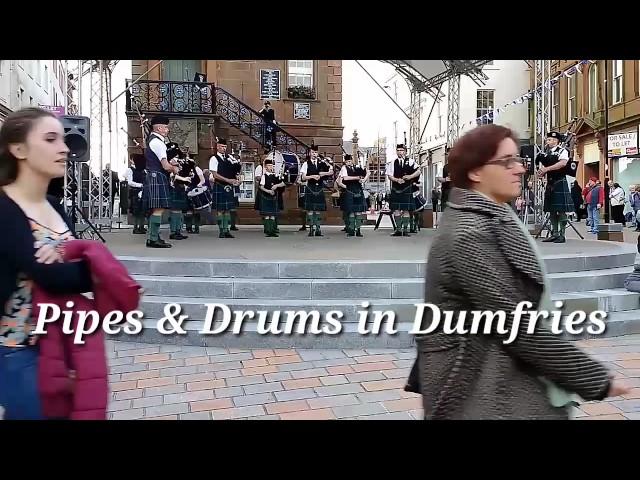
306, 96
582, 96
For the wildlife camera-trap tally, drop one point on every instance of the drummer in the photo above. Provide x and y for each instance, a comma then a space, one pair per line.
192, 217
269, 205
257, 176
353, 202
419, 199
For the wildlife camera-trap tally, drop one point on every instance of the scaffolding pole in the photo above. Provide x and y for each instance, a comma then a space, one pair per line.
453, 110
542, 125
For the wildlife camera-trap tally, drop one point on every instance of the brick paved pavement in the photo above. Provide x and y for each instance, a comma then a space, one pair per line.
193, 383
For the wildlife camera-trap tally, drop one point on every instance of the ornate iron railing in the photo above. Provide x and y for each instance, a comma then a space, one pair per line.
172, 97
191, 98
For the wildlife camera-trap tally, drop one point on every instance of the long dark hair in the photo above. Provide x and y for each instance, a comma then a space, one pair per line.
15, 129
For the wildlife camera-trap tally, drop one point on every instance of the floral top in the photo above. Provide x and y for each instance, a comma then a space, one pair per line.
16, 323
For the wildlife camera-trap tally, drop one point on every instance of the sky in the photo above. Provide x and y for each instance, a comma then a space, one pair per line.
365, 108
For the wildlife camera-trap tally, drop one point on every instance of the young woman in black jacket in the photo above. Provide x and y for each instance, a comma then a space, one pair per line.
34, 229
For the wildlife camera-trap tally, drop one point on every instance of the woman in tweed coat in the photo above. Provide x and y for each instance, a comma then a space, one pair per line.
483, 259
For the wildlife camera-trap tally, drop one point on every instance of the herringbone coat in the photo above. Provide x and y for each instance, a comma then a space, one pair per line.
481, 260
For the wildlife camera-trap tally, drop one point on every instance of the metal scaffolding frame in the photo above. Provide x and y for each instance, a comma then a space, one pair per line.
92, 186
414, 124
418, 83
453, 110
542, 125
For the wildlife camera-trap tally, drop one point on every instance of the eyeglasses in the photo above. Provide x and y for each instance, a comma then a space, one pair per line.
510, 162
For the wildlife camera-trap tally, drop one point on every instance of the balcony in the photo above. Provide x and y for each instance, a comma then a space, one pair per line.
152, 96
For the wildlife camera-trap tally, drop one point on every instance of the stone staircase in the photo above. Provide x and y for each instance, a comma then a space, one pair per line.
582, 283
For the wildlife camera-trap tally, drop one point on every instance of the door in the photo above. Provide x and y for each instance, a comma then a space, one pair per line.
180, 70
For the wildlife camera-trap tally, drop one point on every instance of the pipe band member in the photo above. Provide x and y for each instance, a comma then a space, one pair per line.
303, 214
269, 204
179, 185
353, 202
402, 173
313, 171
136, 174
557, 196
339, 188
223, 172
156, 190
237, 168
192, 218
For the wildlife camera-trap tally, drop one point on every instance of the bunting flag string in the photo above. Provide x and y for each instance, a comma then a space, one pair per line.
569, 72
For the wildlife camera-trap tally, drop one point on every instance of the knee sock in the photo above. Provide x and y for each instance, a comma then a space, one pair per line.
174, 222
398, 218
562, 223
154, 227
553, 216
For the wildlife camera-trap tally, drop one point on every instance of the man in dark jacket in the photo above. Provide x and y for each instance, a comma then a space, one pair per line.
593, 195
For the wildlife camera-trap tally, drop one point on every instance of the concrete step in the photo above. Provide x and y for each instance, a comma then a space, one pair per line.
313, 269
611, 300
589, 280
346, 288
289, 289
617, 324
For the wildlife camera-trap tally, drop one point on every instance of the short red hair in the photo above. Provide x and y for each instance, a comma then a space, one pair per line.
474, 150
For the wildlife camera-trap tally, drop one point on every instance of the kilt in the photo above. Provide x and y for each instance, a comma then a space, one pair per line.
402, 199
269, 205
256, 203
301, 189
557, 197
314, 200
179, 199
136, 204
156, 191
223, 197
353, 200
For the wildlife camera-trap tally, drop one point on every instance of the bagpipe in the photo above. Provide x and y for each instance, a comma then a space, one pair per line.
186, 166
567, 142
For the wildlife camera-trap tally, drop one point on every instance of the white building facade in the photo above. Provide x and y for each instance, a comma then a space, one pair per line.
25, 83
508, 80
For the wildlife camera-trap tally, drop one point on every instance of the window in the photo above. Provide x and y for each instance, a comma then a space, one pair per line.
300, 73
571, 97
529, 112
593, 88
484, 105
617, 81
439, 118
555, 105
39, 72
45, 84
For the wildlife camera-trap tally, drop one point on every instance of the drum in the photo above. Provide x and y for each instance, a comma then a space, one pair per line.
291, 167
199, 197
421, 202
